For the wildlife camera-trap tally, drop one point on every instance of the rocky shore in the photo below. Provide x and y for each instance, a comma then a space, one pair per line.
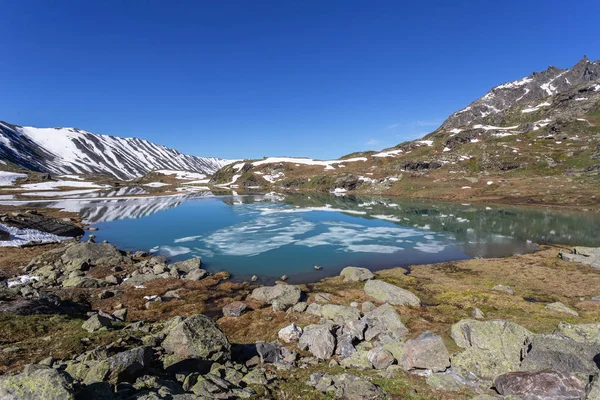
85, 320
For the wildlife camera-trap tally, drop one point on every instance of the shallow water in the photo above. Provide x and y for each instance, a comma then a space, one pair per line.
273, 235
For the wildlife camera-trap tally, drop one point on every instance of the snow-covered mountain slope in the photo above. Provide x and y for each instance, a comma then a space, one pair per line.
534, 87
75, 151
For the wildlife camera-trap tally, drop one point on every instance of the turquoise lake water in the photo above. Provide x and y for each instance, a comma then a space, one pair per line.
275, 235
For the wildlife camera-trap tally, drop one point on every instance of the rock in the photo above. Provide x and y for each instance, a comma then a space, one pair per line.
358, 360
83, 282
285, 294
426, 352
367, 306
188, 265
355, 328
322, 298
447, 381
254, 278
92, 254
560, 307
561, 354
314, 309
318, 340
269, 352
380, 358
345, 348
545, 385
196, 337
477, 313
355, 274
196, 275
278, 306
4, 236
345, 386
300, 307
284, 278
96, 322
43, 223
112, 279
234, 309
105, 294
584, 333
491, 348
120, 314
384, 321
37, 382
255, 376
339, 314
585, 255
290, 333
317, 267
396, 348
388, 293
123, 366
504, 289
593, 388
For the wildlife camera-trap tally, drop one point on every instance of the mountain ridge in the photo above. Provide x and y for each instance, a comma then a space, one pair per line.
77, 151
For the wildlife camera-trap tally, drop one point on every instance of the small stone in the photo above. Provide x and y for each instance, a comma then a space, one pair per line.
254, 278
112, 279
290, 333
105, 294
318, 267
300, 307
120, 314
477, 313
234, 309
284, 278
278, 306
504, 289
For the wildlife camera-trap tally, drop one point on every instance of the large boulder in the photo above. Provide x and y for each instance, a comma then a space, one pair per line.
356, 274
92, 254
37, 382
286, 295
380, 357
561, 308
492, 348
384, 324
545, 385
318, 340
561, 354
123, 366
290, 333
33, 220
188, 265
392, 294
426, 352
195, 338
586, 333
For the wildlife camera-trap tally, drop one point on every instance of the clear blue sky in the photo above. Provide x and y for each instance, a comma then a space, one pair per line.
253, 78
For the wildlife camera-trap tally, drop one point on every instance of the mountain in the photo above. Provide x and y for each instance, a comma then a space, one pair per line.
75, 151
534, 87
534, 140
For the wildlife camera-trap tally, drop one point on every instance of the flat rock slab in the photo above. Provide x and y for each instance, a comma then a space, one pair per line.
546, 385
287, 295
392, 294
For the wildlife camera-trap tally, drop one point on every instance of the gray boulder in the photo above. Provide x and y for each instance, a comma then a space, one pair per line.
339, 314
290, 333
585, 255
560, 307
92, 254
545, 385
345, 386
585, 333
318, 340
426, 352
196, 337
269, 352
37, 382
188, 265
492, 348
561, 354
196, 274
123, 366
384, 323
345, 346
96, 322
355, 274
392, 294
287, 295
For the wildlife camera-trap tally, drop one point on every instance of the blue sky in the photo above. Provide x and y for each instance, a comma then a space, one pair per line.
246, 79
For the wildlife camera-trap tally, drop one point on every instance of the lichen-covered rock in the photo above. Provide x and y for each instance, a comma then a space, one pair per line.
545, 385
392, 294
384, 324
287, 295
345, 386
426, 352
196, 337
234, 309
339, 314
123, 366
196, 274
318, 340
504, 289
358, 360
355, 274
560, 354
188, 265
585, 333
560, 307
83, 282
492, 348
447, 381
37, 382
